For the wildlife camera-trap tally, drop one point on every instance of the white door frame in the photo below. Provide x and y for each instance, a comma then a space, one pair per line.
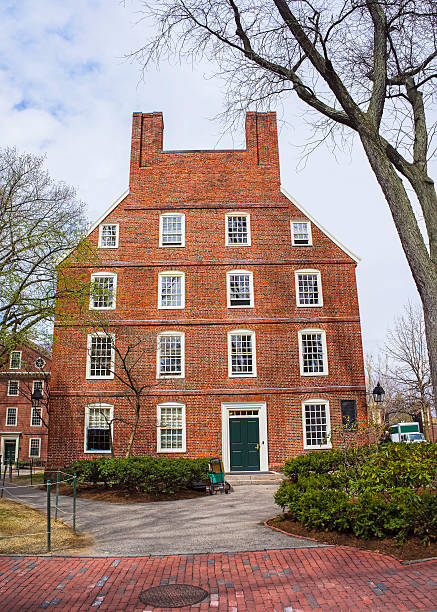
10, 437
262, 416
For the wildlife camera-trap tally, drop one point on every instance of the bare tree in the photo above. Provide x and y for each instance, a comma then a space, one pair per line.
40, 222
363, 66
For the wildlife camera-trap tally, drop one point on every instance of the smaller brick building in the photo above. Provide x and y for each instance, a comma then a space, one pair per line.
23, 429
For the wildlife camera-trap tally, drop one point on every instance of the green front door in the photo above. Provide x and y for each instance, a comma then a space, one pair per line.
244, 442
9, 451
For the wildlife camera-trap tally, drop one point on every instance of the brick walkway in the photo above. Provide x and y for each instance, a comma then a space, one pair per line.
277, 580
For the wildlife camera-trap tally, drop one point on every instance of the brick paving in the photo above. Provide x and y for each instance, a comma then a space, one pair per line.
336, 578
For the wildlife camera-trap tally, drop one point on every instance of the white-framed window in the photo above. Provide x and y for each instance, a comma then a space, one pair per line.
103, 291
15, 360
237, 229
172, 230
100, 355
108, 235
316, 424
308, 288
171, 355
13, 387
35, 419
171, 428
40, 363
241, 353
313, 358
34, 447
11, 417
240, 289
301, 233
38, 384
98, 428
171, 290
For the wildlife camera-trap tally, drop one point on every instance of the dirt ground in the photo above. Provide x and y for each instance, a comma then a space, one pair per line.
23, 530
119, 496
410, 550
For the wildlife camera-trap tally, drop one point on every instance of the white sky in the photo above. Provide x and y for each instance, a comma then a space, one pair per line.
67, 91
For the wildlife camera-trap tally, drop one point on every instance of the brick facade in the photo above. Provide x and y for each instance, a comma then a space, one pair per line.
204, 186
16, 386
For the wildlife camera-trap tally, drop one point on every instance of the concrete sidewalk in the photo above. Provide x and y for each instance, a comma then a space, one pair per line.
218, 523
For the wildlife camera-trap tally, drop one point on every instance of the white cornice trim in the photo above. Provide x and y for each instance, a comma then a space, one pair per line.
321, 228
107, 211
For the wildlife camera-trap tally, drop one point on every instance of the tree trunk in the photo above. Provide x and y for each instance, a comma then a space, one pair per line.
422, 267
134, 426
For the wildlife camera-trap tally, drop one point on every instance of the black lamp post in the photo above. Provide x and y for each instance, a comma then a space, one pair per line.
378, 394
36, 397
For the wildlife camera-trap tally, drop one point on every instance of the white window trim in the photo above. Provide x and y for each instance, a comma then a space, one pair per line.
319, 283
171, 273
324, 350
10, 360
117, 228
31, 415
39, 448
228, 287
159, 449
114, 294
158, 355
86, 421
310, 235
328, 424
249, 233
246, 332
16, 416
43, 364
13, 394
228, 407
161, 224
88, 357
33, 385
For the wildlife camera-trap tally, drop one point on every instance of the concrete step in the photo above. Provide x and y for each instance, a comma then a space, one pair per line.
254, 478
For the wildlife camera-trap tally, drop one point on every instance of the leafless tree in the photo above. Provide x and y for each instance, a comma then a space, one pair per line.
40, 222
363, 66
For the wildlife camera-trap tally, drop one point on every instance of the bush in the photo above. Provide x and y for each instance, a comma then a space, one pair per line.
376, 492
142, 474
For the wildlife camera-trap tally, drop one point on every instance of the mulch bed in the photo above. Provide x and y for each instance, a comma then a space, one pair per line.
412, 549
119, 496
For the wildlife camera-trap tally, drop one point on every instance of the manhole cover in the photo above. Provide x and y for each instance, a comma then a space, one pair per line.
173, 595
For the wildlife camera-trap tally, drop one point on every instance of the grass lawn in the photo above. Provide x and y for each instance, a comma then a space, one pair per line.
18, 519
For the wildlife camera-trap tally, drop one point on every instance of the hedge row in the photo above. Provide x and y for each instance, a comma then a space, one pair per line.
142, 474
372, 492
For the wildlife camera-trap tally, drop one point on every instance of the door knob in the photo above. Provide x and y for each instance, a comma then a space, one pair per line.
257, 447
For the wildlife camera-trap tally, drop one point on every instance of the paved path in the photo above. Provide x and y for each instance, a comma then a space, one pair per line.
327, 579
218, 523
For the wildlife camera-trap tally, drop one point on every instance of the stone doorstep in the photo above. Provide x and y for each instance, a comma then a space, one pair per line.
254, 478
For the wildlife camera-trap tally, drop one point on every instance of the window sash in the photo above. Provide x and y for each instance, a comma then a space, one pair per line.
172, 230
237, 228
108, 235
316, 425
102, 291
38, 384
100, 356
242, 358
15, 360
240, 290
98, 428
171, 428
13, 388
34, 447
11, 416
308, 289
301, 234
170, 355
313, 358
36, 418
171, 293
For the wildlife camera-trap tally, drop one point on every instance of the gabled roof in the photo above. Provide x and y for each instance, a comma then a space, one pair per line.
107, 211
321, 228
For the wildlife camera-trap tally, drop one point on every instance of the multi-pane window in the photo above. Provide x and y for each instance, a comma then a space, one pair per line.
34, 447
316, 424
103, 291
240, 289
98, 428
241, 353
171, 287
100, 357
301, 233
15, 360
171, 355
349, 414
36, 419
171, 428
13, 387
308, 288
108, 236
11, 416
237, 229
313, 357
172, 230
38, 384
40, 363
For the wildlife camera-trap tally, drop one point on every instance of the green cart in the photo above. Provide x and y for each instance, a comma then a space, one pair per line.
216, 473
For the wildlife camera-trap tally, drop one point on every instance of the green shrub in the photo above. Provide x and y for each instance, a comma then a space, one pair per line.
143, 474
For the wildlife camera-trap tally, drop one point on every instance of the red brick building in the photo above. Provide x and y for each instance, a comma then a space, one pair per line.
245, 308
23, 428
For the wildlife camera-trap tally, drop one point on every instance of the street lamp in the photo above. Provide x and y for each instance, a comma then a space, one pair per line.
378, 394
36, 397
